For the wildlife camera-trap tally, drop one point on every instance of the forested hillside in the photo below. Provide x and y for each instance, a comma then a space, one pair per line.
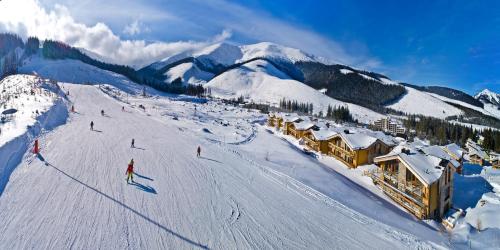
353, 88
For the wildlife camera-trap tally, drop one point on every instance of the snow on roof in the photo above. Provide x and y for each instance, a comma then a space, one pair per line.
454, 149
477, 151
323, 135
387, 139
358, 140
436, 151
304, 125
291, 118
425, 167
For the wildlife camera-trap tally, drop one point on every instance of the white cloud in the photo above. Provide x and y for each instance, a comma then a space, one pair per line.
254, 25
192, 19
225, 35
28, 18
133, 28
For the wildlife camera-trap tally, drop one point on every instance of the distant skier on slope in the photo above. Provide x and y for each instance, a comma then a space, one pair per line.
91, 125
198, 151
130, 171
102, 112
123, 108
132, 145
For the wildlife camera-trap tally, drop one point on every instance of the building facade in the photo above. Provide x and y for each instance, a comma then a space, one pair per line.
389, 125
420, 183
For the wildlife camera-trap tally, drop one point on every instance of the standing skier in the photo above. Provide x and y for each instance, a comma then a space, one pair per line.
198, 151
132, 145
91, 125
130, 171
102, 112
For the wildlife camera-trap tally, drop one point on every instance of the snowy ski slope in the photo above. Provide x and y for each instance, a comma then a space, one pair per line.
419, 102
260, 81
226, 199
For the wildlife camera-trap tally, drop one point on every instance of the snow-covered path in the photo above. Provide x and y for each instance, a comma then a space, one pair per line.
75, 194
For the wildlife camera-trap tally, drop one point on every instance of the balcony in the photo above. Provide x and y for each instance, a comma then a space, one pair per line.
412, 204
311, 143
410, 189
335, 147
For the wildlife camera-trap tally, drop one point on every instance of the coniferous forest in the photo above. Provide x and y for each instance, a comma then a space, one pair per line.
440, 132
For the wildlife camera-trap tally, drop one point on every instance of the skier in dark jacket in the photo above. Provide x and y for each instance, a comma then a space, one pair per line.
102, 112
132, 145
198, 151
91, 125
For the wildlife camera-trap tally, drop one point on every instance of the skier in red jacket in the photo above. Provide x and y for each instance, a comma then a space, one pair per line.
130, 171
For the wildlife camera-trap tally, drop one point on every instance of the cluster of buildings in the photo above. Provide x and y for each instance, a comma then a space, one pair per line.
389, 125
417, 177
478, 156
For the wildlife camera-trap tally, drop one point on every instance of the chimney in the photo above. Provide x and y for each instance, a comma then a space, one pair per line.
405, 151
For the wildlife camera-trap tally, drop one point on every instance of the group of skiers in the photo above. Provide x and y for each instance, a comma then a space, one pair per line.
130, 166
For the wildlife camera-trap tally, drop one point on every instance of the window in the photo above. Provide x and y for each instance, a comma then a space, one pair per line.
392, 167
410, 177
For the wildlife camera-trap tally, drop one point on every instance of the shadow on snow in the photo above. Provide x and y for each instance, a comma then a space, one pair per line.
205, 158
187, 240
142, 187
143, 177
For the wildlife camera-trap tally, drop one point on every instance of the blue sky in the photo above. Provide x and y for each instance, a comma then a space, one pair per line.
448, 43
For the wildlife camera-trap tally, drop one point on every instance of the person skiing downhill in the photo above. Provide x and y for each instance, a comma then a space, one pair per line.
132, 145
130, 171
102, 112
91, 125
198, 151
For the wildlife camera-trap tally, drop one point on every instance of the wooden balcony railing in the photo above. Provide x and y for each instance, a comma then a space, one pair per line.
334, 146
408, 202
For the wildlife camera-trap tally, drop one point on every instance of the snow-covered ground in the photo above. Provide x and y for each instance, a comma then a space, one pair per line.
189, 73
464, 104
477, 192
30, 97
492, 109
231, 197
419, 102
228, 54
39, 106
261, 82
76, 72
474, 126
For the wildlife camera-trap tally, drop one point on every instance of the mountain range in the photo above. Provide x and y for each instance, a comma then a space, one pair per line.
267, 73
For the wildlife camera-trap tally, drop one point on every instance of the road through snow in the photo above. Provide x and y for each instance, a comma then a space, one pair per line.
75, 194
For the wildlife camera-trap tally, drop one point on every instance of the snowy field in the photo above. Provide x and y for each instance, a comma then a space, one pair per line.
231, 197
419, 102
250, 189
30, 97
477, 192
261, 82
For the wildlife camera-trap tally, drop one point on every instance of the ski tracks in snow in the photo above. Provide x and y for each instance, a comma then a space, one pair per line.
308, 192
77, 197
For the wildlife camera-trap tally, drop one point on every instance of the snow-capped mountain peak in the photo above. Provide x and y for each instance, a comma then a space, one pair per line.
272, 50
489, 96
222, 53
